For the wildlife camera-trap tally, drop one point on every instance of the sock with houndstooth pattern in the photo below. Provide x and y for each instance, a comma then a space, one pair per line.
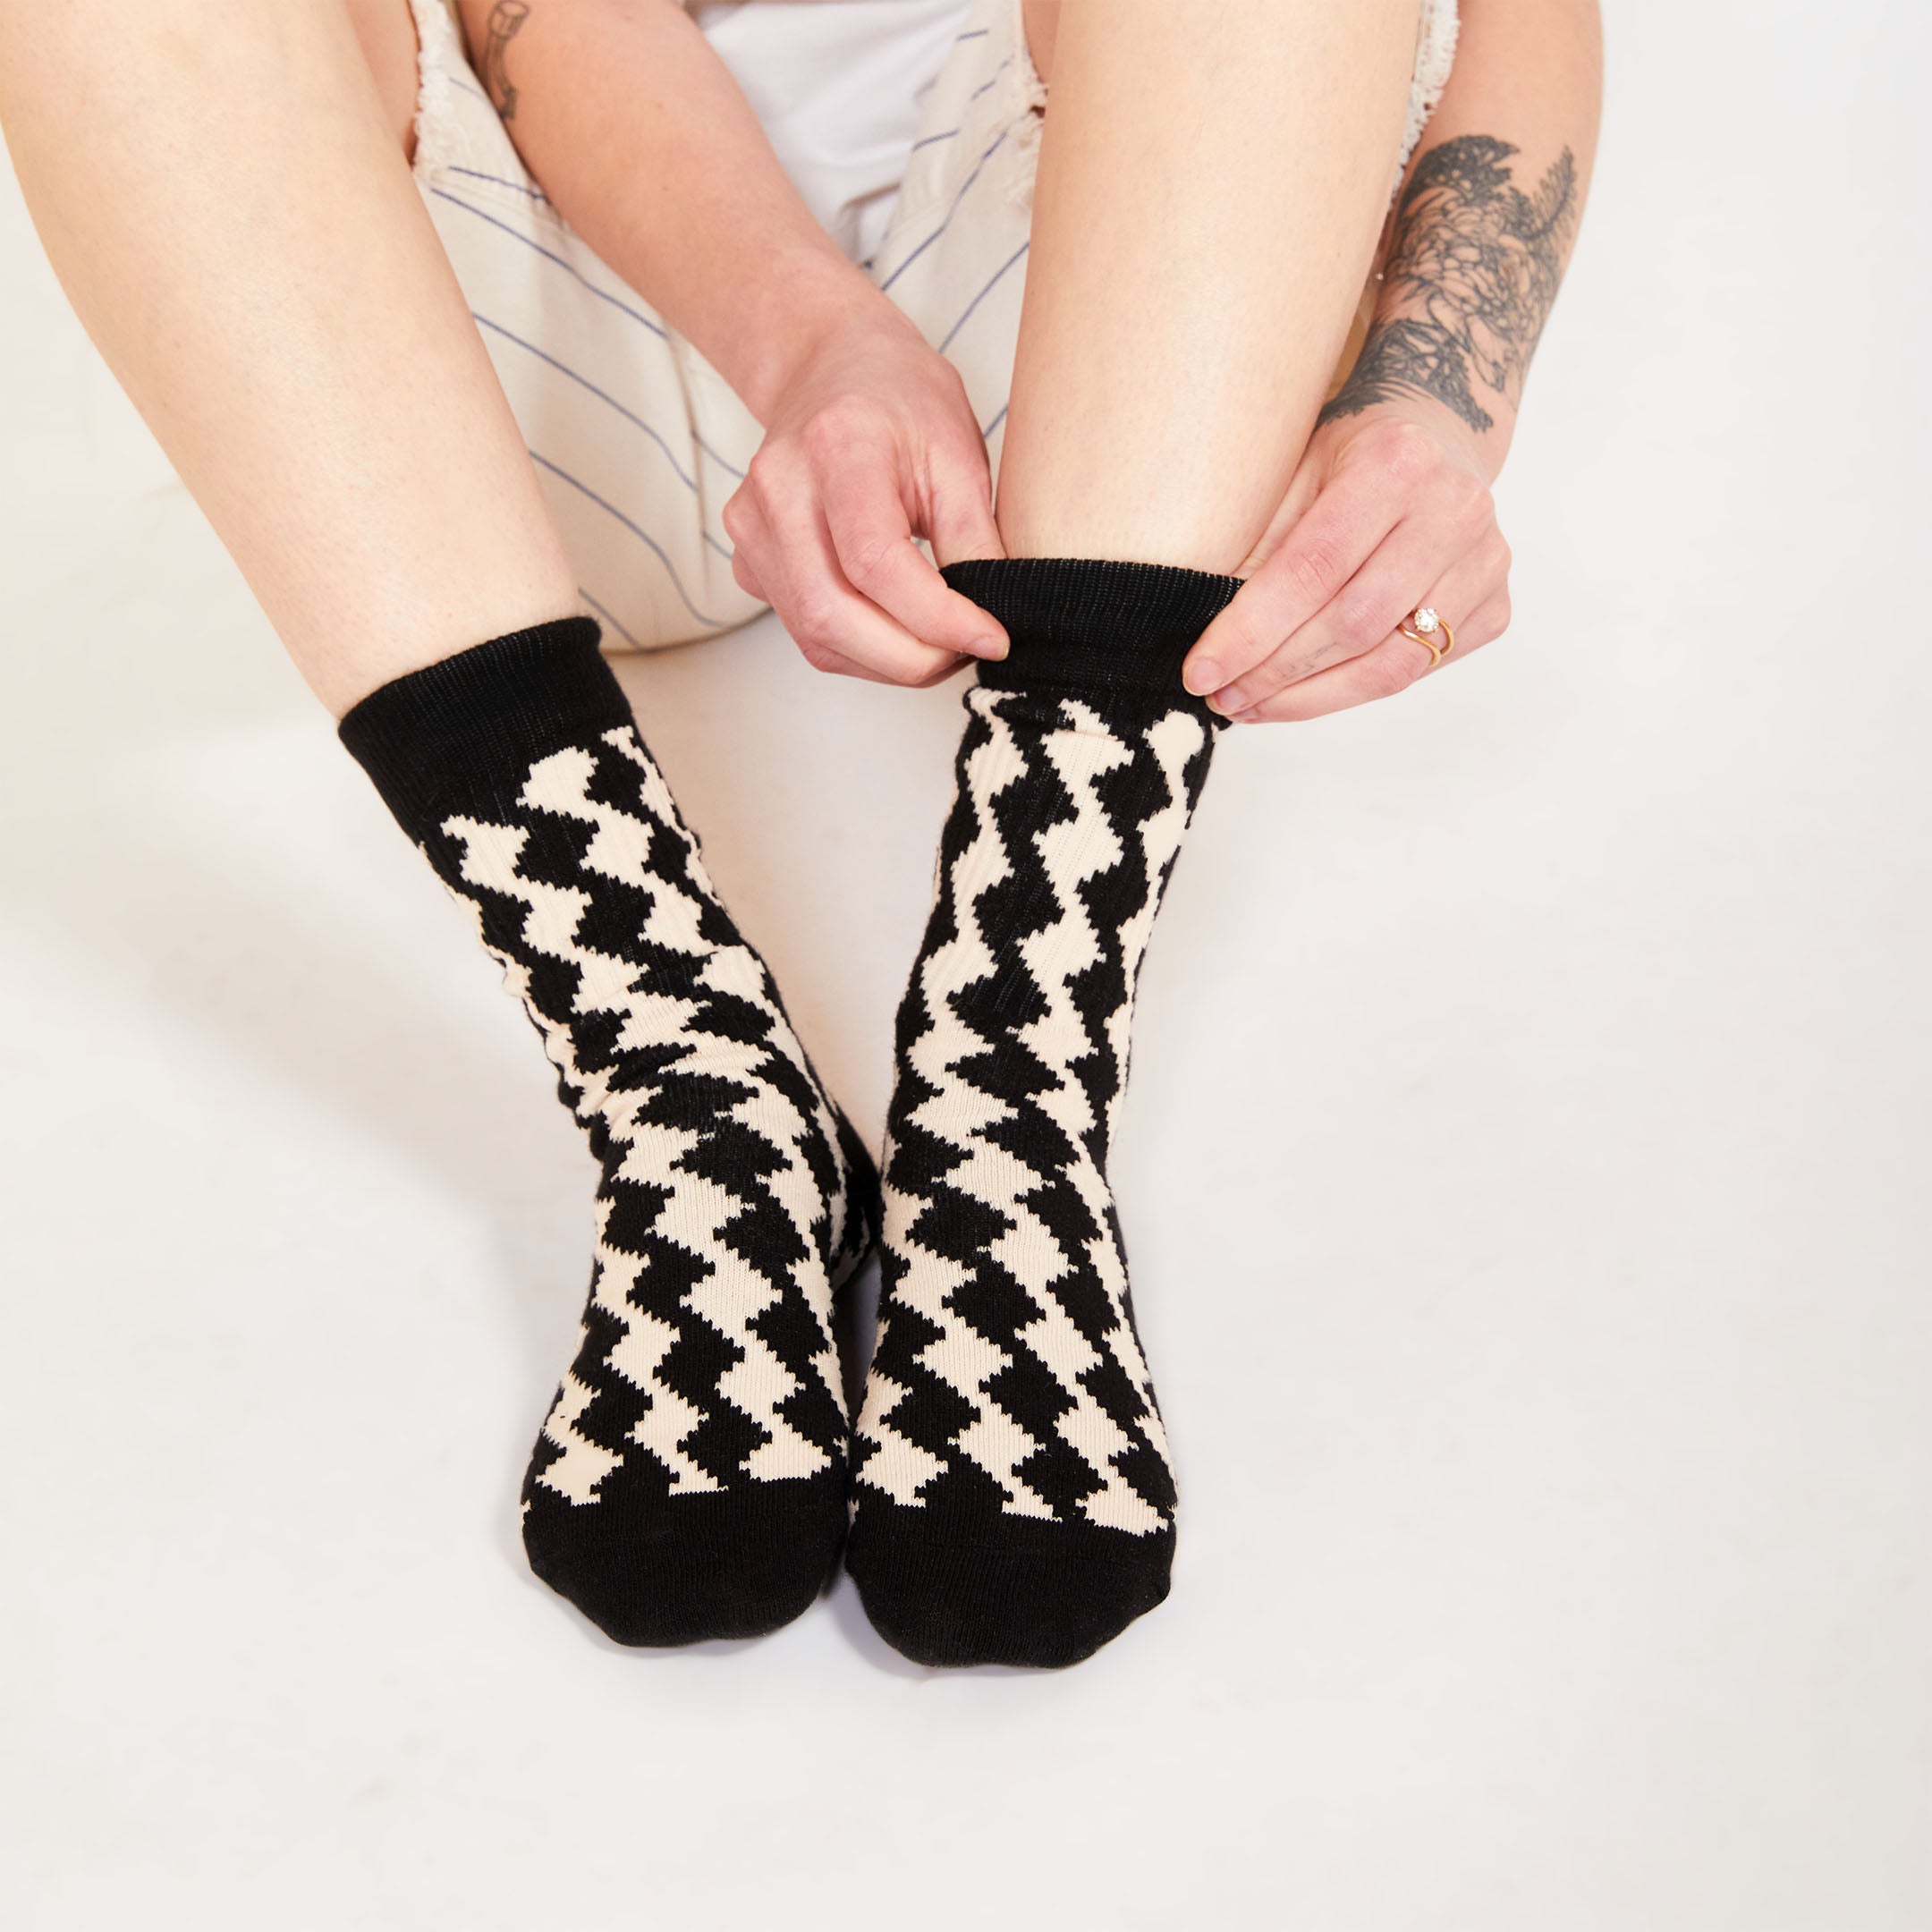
690, 1480
1014, 1502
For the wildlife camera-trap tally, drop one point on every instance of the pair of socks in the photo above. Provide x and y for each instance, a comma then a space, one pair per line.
1006, 1494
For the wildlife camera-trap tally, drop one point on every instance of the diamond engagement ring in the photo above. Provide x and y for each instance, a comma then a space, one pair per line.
1421, 628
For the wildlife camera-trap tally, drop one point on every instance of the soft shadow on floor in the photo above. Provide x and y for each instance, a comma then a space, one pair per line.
256, 915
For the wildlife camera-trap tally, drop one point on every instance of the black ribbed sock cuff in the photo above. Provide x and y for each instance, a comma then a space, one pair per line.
1094, 625
446, 737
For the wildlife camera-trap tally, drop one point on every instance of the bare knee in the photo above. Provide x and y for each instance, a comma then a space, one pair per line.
388, 32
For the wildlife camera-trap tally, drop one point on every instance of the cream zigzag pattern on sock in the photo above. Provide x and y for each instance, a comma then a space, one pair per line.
738, 972
1175, 739
491, 852
1082, 755
729, 1297
958, 1114
962, 1357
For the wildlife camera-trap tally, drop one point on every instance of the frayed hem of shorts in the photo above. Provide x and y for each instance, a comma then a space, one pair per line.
1026, 97
439, 56
1436, 46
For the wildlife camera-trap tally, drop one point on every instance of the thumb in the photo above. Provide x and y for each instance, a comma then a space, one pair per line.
960, 525
1303, 487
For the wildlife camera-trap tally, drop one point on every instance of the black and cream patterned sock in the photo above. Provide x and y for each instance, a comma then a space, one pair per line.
1013, 1499
690, 1480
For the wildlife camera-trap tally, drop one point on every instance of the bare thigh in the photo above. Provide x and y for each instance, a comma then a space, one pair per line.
388, 32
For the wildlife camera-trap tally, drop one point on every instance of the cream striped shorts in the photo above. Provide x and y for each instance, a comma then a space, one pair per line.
637, 439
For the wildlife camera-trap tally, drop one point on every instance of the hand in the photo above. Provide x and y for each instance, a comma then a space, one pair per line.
1388, 509
870, 442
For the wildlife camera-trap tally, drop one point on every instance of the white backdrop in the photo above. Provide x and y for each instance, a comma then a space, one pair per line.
1526, 1181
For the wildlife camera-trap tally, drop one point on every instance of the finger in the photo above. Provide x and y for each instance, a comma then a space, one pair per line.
840, 666
1389, 669
872, 539
1412, 558
1303, 487
746, 577
1479, 574
837, 665
1392, 667
959, 521
828, 620
746, 528
750, 534
1342, 526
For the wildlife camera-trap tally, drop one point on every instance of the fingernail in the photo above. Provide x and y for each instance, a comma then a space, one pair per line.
1222, 701
994, 648
1200, 679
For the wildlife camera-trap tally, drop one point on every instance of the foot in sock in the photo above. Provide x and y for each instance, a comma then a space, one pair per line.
1014, 1498
690, 1480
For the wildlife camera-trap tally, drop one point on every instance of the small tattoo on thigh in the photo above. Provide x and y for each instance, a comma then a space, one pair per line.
505, 22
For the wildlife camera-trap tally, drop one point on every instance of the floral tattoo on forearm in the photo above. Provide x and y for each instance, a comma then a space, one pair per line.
1477, 262
505, 22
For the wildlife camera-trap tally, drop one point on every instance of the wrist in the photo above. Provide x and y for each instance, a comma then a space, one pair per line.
1481, 431
1488, 442
808, 301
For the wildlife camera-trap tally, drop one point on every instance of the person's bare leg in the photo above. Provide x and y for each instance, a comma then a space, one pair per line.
224, 194
1212, 181
222, 186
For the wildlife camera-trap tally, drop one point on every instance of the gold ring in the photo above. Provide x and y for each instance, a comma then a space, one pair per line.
1425, 622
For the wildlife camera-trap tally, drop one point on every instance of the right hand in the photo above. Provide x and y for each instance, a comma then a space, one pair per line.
869, 442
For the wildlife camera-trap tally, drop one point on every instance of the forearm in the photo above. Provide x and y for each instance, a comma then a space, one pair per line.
1487, 214
643, 140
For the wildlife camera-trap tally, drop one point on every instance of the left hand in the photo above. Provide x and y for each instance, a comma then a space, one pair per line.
1388, 509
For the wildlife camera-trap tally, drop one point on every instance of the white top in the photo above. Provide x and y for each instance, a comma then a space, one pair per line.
840, 86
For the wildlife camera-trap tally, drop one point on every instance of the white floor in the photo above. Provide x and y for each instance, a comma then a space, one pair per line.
1527, 1181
